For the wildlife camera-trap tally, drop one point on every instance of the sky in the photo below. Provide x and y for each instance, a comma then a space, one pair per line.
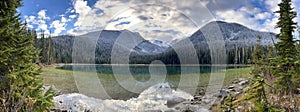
165, 20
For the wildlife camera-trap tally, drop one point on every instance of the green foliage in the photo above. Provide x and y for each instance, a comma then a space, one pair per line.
256, 96
20, 87
281, 68
46, 49
228, 105
285, 68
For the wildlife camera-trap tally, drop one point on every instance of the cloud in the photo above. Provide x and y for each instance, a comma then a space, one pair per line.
123, 23
72, 16
272, 5
59, 25
42, 14
166, 31
43, 27
64, 20
30, 26
38, 21
30, 19
183, 16
263, 15
238, 16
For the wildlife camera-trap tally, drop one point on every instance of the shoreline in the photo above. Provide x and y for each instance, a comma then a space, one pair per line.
222, 65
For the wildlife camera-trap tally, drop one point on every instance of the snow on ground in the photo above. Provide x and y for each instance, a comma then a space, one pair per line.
158, 97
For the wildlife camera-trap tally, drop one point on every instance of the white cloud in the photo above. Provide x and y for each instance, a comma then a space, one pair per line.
43, 27
73, 16
30, 26
250, 10
183, 16
42, 15
64, 20
263, 16
272, 5
40, 21
269, 25
175, 15
238, 16
29, 19
245, 17
59, 27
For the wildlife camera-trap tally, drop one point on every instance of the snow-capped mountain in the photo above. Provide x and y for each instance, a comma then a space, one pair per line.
131, 41
233, 34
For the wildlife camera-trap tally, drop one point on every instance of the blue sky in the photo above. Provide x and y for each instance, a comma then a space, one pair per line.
163, 21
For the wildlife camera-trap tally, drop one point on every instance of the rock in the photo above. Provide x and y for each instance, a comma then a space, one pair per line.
231, 90
170, 110
175, 101
236, 93
230, 87
47, 87
202, 92
208, 99
153, 111
222, 94
198, 98
243, 82
235, 82
194, 108
240, 108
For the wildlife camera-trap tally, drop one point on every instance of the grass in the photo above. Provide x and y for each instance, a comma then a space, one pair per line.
64, 80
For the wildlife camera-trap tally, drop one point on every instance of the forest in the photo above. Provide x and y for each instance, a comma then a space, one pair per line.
59, 50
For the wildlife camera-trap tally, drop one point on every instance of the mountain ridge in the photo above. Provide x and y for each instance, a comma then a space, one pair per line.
235, 36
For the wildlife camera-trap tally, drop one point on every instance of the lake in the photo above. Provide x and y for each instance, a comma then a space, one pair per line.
126, 81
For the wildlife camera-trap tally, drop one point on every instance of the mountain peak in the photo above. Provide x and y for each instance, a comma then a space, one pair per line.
232, 33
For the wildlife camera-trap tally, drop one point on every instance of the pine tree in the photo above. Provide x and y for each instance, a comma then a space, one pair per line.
286, 48
20, 87
49, 51
43, 48
257, 94
285, 71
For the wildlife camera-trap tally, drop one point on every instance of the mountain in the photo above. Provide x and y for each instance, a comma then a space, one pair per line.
239, 42
106, 40
233, 34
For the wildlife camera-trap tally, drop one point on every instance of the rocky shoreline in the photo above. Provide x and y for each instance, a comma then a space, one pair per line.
207, 101
200, 102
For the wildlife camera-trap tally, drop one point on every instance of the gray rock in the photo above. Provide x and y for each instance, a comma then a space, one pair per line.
175, 101
243, 82
170, 110
202, 92
208, 99
153, 111
194, 108
198, 98
230, 87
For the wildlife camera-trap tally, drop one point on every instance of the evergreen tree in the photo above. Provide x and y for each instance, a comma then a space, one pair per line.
286, 61
257, 94
43, 48
20, 87
286, 48
49, 51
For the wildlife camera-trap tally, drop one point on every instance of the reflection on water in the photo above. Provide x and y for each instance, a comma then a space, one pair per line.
141, 73
143, 69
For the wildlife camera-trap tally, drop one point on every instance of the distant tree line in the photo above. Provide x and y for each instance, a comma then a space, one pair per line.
59, 50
